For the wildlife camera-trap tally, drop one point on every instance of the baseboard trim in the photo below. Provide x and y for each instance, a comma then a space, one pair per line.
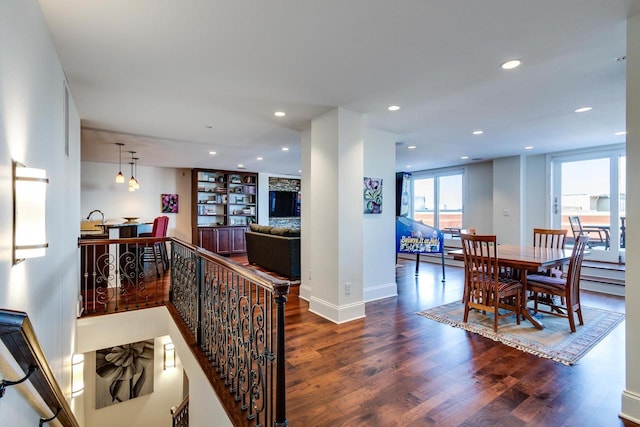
630, 407
377, 292
336, 314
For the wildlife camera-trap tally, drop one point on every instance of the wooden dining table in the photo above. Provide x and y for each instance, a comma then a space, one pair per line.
524, 259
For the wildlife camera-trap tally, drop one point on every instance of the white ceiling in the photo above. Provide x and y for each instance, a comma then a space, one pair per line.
175, 79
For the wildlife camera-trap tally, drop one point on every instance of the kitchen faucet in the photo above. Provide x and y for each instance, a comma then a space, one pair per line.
94, 211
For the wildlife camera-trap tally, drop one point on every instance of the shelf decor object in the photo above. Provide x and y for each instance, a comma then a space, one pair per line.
29, 209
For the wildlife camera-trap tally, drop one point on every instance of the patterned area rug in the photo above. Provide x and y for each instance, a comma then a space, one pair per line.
554, 342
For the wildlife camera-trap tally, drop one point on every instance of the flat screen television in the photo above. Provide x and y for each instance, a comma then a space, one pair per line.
283, 204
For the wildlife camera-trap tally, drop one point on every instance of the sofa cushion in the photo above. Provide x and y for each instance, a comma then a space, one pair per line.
294, 232
260, 228
280, 231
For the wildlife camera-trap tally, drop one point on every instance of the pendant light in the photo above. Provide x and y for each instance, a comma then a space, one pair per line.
135, 172
132, 180
120, 176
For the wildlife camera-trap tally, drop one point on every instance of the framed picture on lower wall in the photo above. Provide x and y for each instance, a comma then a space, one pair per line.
124, 372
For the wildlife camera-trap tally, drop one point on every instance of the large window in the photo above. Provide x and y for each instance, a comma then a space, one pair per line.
438, 199
591, 187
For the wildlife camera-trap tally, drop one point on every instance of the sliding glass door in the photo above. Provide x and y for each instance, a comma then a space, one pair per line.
589, 192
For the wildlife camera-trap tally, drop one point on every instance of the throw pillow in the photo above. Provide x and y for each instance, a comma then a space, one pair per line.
260, 228
294, 232
280, 231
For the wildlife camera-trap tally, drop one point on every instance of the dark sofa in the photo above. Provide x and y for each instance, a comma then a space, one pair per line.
275, 249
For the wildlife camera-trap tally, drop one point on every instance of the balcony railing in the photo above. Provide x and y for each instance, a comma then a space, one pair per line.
122, 274
234, 315
237, 319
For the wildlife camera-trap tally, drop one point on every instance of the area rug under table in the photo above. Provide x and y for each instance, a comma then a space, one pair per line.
554, 342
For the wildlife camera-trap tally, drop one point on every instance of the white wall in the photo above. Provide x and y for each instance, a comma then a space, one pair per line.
32, 132
478, 210
507, 203
537, 197
100, 191
153, 409
378, 242
305, 216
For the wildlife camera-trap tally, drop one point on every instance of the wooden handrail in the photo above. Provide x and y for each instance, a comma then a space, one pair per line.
20, 339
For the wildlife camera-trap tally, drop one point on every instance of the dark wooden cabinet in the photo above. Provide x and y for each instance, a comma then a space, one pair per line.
224, 203
222, 240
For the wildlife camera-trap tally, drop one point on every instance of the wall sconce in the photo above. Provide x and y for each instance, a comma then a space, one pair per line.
77, 375
169, 356
29, 194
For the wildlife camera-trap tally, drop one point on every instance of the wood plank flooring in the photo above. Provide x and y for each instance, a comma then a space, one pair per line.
395, 368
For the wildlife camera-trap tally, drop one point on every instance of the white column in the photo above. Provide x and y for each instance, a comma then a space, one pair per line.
631, 394
335, 259
379, 273
305, 216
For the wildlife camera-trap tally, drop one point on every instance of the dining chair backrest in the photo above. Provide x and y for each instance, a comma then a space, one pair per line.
576, 226
160, 226
575, 266
480, 257
547, 238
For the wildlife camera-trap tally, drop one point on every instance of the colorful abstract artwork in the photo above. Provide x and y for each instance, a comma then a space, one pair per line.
169, 203
372, 195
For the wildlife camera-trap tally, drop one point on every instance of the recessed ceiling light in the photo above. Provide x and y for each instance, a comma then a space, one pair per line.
464, 157
583, 109
511, 64
411, 147
285, 148
279, 114
393, 107
213, 153
408, 166
299, 170
258, 158
478, 132
240, 166
529, 147
622, 132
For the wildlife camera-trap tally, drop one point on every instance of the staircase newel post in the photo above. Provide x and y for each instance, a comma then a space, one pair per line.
281, 299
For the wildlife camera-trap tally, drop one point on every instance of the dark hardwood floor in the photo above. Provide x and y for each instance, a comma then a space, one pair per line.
395, 368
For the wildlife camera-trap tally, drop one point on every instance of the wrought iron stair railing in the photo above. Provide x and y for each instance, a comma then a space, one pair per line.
237, 318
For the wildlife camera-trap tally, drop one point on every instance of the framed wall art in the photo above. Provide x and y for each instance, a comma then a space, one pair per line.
372, 195
124, 372
169, 203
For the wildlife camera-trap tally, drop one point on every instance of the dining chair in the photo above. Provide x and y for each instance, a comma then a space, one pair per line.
157, 251
567, 287
598, 235
485, 289
550, 239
